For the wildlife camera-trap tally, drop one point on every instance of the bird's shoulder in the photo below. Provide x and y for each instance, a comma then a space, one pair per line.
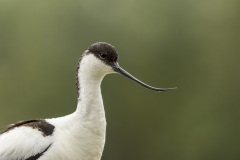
40, 124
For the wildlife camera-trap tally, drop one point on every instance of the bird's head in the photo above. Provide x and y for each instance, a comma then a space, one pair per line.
101, 59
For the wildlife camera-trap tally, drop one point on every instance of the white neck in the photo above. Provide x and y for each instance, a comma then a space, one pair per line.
90, 75
90, 103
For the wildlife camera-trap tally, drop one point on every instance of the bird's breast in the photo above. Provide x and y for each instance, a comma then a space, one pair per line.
82, 140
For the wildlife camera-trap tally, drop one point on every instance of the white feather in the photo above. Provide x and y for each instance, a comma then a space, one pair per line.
22, 142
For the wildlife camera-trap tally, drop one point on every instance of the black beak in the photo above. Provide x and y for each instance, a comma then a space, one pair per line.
118, 69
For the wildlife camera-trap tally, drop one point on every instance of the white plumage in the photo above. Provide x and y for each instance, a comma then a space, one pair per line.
22, 142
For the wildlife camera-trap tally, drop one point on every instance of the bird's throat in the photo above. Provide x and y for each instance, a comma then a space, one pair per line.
90, 103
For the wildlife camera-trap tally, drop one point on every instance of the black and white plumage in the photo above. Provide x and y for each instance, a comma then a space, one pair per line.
80, 135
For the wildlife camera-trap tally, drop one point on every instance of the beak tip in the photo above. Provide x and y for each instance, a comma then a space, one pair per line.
167, 89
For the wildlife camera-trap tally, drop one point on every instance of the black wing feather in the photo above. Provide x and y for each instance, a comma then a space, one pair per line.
40, 124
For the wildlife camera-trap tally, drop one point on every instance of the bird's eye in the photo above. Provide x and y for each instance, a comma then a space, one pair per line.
103, 55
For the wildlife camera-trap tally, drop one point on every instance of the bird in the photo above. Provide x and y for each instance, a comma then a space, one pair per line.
79, 135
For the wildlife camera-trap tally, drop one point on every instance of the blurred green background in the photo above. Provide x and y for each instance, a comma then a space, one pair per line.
194, 45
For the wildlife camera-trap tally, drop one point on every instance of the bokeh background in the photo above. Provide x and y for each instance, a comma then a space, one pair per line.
194, 45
